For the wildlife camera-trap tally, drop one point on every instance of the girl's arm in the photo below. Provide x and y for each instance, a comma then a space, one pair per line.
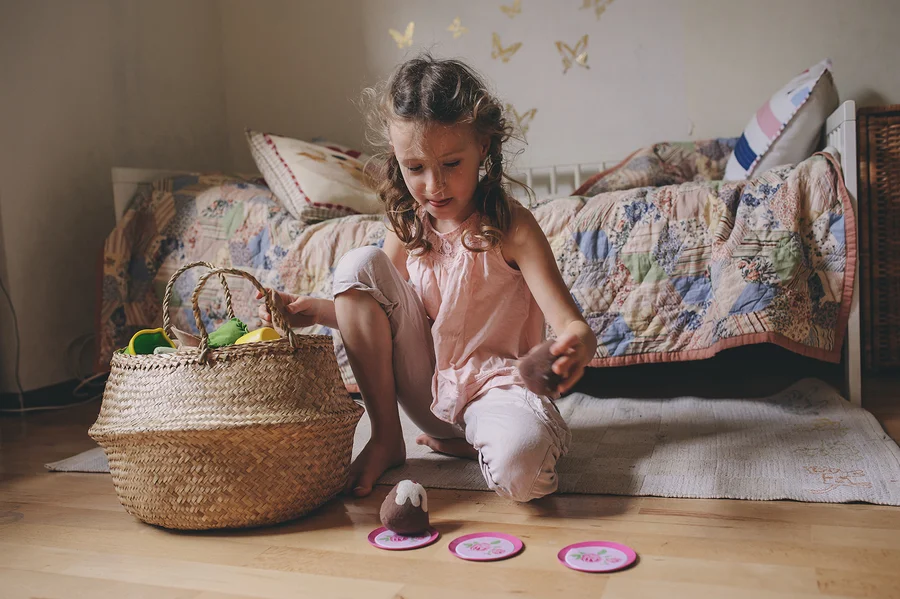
526, 247
302, 310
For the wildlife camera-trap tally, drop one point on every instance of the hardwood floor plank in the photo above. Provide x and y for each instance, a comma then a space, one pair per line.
800, 554
884, 585
65, 489
541, 575
851, 536
189, 575
145, 541
762, 577
426, 591
629, 588
697, 510
21, 584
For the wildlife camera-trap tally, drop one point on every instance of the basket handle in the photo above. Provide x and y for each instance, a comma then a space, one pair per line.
170, 286
279, 319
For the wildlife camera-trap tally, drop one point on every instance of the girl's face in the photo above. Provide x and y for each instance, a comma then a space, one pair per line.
440, 166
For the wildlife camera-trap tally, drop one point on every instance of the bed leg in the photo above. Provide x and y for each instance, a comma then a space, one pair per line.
853, 351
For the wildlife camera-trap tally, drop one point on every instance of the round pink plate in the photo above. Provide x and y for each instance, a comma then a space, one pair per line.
485, 546
597, 556
392, 541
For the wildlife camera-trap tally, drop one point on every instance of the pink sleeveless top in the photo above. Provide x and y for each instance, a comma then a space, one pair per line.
484, 318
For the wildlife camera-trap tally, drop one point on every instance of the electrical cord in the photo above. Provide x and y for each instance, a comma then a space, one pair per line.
12, 309
84, 382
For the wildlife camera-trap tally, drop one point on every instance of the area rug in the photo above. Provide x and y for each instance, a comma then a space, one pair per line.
805, 443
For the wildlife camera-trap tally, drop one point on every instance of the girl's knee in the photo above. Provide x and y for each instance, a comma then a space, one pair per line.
358, 264
523, 473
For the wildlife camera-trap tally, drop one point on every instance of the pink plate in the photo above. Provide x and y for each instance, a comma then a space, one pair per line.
485, 546
596, 556
392, 541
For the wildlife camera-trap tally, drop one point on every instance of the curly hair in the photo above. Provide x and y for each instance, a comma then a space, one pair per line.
427, 90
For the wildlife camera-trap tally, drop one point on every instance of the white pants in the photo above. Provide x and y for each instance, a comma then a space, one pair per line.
519, 436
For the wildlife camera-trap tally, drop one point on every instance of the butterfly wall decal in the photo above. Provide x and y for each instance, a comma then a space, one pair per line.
522, 120
599, 6
456, 28
512, 11
572, 56
405, 39
504, 54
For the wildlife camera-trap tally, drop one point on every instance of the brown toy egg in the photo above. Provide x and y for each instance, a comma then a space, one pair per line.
405, 509
536, 371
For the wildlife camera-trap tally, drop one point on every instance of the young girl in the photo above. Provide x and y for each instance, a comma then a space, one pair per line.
438, 320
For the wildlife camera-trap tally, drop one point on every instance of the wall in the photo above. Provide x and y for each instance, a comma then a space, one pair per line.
86, 86
294, 68
659, 69
738, 53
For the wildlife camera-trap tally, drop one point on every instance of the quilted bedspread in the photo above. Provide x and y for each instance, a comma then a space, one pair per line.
666, 262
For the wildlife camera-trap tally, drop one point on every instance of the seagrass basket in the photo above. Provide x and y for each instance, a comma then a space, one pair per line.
239, 436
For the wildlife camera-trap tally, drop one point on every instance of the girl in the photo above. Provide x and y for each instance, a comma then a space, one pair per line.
438, 319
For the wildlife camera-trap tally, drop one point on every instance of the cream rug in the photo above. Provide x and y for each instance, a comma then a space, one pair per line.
805, 443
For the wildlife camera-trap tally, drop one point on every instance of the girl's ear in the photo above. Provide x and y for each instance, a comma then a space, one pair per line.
485, 146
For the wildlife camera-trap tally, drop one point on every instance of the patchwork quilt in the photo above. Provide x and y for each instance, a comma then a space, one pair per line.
681, 272
666, 262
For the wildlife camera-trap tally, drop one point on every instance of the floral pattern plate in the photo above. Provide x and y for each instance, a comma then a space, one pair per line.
485, 546
392, 541
597, 556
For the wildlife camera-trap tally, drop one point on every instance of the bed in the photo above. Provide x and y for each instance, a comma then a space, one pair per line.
198, 225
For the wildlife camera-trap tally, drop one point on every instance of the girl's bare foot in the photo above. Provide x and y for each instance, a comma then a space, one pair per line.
458, 447
372, 462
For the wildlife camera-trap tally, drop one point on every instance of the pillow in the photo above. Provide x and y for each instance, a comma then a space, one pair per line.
786, 129
314, 181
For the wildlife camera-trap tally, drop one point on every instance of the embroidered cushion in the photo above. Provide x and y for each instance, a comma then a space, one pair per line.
314, 181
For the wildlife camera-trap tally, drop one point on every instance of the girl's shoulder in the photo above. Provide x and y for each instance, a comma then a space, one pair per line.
523, 226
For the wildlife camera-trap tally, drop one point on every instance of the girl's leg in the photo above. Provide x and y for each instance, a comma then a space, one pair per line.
367, 338
388, 342
519, 437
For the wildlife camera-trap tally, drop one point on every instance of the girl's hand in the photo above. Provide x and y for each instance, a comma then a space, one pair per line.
576, 352
301, 310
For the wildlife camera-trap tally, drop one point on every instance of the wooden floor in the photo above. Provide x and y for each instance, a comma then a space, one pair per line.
65, 535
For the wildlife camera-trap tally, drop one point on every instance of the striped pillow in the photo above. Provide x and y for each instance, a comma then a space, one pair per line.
786, 129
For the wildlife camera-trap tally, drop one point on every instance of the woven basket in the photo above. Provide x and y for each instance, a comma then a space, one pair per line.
878, 131
244, 435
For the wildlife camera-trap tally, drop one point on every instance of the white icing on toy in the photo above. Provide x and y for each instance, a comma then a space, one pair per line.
414, 492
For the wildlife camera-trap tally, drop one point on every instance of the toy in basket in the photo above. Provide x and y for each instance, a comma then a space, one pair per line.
237, 436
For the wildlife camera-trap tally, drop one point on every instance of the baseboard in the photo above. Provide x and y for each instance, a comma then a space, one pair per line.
60, 394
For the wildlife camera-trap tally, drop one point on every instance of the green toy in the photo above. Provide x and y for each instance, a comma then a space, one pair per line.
145, 341
228, 333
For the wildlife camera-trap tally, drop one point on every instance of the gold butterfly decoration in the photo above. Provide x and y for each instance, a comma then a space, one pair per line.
404, 40
573, 56
502, 53
512, 11
456, 28
522, 120
599, 6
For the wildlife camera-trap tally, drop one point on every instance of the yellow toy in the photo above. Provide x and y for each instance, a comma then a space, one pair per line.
263, 334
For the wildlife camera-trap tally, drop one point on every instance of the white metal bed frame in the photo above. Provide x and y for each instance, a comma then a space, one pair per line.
839, 133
